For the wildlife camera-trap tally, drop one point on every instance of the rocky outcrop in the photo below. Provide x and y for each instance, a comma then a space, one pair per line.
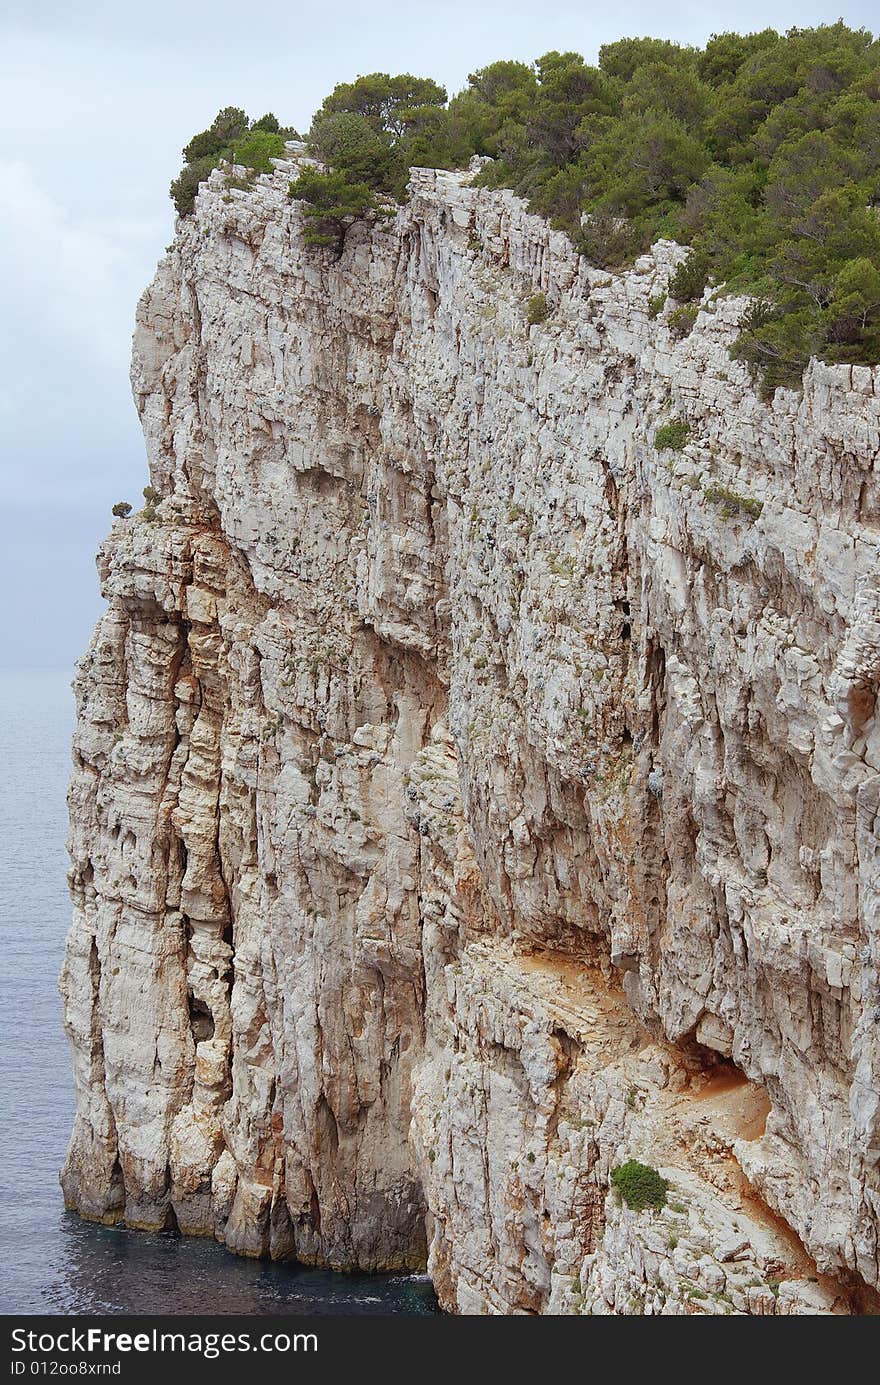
469, 797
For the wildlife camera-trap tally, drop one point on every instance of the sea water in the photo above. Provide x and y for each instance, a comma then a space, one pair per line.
52, 1262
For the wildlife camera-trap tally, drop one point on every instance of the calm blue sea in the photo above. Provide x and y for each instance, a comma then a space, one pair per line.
51, 1261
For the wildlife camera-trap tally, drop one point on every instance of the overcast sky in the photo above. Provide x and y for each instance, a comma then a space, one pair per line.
96, 100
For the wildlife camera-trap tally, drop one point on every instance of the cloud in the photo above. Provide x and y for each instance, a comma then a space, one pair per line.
58, 278
67, 295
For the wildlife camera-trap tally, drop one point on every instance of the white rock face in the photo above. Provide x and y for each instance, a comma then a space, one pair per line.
468, 797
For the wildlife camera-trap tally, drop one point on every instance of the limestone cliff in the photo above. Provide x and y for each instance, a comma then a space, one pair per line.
469, 797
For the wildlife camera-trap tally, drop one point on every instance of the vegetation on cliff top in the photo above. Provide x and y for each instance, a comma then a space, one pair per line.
230, 138
760, 151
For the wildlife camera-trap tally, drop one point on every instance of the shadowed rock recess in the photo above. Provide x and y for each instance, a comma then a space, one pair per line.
468, 797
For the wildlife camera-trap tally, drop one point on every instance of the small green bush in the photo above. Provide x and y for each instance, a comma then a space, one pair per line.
776, 346
348, 143
240, 184
656, 304
681, 322
731, 503
257, 149
267, 122
639, 1185
672, 436
152, 498
121, 509
537, 309
187, 183
690, 278
605, 240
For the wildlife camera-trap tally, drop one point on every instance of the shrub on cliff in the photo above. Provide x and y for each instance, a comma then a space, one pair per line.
731, 504
121, 510
681, 321
332, 205
257, 149
537, 309
378, 127
640, 1186
672, 436
268, 122
609, 242
691, 277
185, 186
227, 126
230, 138
349, 144
151, 500
383, 101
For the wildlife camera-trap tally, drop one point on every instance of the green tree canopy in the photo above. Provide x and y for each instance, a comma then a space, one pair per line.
761, 151
381, 99
624, 58
351, 142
